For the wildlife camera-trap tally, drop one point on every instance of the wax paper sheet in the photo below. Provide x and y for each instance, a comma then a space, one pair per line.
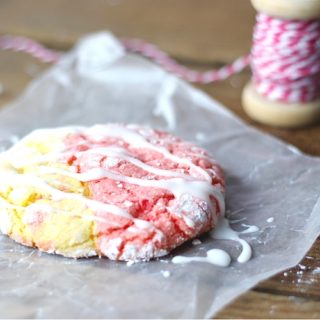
269, 184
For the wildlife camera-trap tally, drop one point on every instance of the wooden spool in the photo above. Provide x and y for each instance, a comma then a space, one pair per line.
278, 113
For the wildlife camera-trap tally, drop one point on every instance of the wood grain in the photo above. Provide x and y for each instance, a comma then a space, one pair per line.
202, 34
259, 305
170, 24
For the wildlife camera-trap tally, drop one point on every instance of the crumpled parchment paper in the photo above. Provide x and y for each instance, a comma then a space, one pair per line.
266, 180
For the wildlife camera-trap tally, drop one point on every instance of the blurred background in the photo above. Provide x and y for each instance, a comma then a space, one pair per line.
200, 34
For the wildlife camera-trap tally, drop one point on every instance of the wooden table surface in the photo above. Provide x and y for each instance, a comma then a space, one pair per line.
201, 34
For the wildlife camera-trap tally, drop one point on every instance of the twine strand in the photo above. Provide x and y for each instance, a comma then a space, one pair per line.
285, 58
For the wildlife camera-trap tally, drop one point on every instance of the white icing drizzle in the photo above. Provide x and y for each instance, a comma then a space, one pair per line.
116, 152
56, 194
29, 179
124, 155
214, 256
223, 232
127, 134
6, 204
177, 186
138, 141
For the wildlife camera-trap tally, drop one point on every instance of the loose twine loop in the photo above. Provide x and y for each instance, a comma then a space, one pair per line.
285, 58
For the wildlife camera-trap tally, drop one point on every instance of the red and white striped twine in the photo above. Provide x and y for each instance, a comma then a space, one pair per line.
154, 53
285, 58
30, 46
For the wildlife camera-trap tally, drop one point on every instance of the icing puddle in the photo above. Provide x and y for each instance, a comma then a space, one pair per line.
214, 256
219, 257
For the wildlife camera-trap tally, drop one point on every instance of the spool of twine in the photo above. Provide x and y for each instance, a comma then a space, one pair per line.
285, 62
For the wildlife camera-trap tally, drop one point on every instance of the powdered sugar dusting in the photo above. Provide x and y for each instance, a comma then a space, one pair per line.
196, 242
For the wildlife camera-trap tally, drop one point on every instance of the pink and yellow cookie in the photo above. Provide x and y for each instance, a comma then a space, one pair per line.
121, 191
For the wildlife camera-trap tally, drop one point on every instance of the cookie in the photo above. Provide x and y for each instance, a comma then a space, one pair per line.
122, 191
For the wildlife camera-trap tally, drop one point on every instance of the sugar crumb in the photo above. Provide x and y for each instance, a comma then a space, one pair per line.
200, 136
316, 270
165, 273
196, 242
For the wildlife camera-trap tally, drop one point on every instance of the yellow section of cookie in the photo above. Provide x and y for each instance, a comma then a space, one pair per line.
58, 181
34, 148
42, 143
23, 196
17, 226
31, 214
62, 228
5, 190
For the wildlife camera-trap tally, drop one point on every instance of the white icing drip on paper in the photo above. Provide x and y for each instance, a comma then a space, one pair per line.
223, 232
214, 256
270, 220
250, 228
